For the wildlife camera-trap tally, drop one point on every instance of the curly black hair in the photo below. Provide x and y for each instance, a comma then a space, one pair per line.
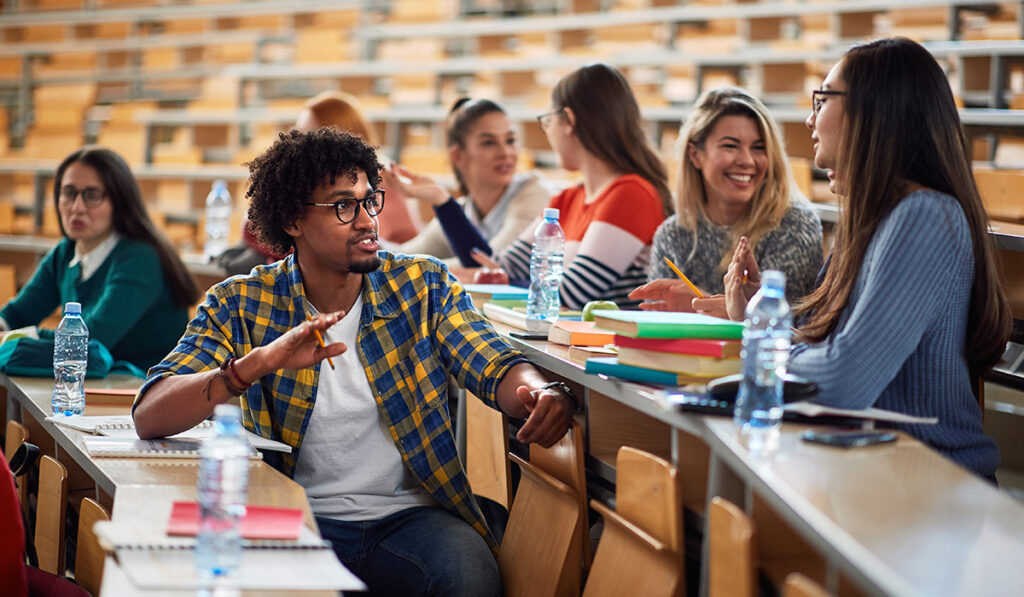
282, 179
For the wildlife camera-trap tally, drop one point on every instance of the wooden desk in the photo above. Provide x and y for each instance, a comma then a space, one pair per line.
144, 488
32, 396
895, 520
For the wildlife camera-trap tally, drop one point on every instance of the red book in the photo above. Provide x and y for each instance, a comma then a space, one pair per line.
260, 522
719, 349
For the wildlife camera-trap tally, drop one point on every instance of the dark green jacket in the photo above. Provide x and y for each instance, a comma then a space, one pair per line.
126, 303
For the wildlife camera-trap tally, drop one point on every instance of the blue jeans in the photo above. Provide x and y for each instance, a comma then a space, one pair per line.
419, 551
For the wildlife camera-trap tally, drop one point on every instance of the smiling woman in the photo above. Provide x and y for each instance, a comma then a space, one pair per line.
734, 182
495, 201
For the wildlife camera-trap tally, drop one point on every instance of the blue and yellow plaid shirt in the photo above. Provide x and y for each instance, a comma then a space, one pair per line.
417, 327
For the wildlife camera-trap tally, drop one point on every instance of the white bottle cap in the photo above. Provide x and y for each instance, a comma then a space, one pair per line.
72, 308
551, 212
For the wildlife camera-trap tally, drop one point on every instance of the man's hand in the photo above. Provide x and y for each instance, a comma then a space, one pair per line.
299, 348
550, 412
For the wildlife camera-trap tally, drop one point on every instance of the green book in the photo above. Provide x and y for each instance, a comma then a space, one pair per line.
664, 324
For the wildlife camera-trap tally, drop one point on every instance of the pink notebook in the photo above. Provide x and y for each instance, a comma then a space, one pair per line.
260, 522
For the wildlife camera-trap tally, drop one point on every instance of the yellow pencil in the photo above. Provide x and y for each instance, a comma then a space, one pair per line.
320, 338
684, 278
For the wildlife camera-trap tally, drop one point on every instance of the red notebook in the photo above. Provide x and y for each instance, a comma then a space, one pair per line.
260, 522
719, 349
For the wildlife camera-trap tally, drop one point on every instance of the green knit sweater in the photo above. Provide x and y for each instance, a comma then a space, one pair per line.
126, 303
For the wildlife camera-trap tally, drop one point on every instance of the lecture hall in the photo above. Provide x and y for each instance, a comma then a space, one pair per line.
703, 298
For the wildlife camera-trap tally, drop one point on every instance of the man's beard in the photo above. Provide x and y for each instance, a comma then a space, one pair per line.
364, 266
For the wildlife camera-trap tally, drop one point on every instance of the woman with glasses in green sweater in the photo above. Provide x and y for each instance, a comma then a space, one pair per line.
134, 290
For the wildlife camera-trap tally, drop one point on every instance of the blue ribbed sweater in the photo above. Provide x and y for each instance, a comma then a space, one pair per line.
899, 344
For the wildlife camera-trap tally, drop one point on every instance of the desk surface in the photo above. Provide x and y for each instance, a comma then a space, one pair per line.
144, 488
897, 519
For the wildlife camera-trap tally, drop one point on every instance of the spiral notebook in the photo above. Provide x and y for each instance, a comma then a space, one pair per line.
126, 447
122, 426
160, 562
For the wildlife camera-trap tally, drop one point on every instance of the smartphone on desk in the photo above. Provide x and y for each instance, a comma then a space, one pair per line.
525, 335
848, 439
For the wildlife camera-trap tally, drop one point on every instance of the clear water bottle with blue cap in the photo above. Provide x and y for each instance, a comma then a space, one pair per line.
766, 340
70, 358
546, 265
218, 219
223, 492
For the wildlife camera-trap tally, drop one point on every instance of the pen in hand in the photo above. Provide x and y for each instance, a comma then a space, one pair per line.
320, 339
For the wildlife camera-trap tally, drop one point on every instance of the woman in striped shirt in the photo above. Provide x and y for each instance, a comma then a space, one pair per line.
609, 219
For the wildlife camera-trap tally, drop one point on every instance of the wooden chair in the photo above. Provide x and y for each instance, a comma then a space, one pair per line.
537, 553
89, 556
730, 550
487, 465
542, 551
17, 434
50, 512
564, 461
630, 561
736, 552
648, 494
798, 585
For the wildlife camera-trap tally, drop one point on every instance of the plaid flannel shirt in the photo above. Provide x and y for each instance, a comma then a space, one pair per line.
417, 326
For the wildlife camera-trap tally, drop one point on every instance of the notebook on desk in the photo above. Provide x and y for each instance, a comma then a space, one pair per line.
158, 562
126, 447
122, 426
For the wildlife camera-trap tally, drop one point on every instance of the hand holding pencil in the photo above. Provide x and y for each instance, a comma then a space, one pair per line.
302, 346
668, 294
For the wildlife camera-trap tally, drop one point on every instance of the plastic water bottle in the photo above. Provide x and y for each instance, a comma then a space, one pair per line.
546, 262
223, 491
766, 341
218, 219
70, 357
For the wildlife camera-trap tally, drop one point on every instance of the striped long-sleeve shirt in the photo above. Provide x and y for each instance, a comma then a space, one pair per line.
899, 343
607, 241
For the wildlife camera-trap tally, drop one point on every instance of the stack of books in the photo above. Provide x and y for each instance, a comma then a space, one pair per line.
669, 348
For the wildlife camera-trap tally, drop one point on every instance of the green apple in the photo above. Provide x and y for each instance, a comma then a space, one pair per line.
589, 308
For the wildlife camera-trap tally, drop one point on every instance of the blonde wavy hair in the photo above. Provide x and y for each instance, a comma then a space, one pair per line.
770, 202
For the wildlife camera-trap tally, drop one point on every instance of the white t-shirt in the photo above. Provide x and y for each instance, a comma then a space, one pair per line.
348, 463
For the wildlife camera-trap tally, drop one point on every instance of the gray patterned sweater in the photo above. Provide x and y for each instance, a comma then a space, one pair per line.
794, 248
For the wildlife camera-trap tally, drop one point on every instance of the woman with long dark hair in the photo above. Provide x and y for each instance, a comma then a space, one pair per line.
909, 312
495, 200
609, 219
134, 290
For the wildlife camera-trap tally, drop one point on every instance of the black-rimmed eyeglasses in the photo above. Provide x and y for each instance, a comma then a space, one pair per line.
90, 195
544, 120
818, 98
347, 209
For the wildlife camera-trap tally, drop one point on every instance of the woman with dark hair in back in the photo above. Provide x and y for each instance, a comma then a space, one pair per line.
909, 313
498, 202
134, 290
610, 218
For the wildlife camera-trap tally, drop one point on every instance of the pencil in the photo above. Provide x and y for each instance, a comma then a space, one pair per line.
684, 278
320, 339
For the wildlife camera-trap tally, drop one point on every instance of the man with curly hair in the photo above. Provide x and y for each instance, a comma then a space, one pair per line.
376, 455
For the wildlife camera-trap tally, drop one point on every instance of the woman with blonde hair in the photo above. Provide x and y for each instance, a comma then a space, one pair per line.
734, 182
